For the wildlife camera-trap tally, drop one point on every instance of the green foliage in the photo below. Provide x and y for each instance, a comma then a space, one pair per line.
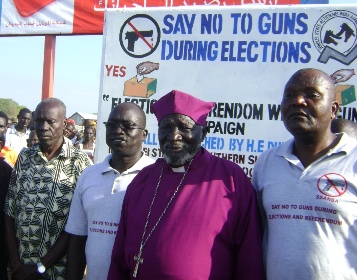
10, 107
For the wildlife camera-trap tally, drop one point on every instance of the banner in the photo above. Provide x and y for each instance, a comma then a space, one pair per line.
29, 17
238, 57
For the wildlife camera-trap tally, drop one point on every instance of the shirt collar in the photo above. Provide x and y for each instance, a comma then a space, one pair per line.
140, 164
199, 161
12, 130
345, 145
66, 150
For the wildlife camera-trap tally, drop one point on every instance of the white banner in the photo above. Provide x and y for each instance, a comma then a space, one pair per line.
238, 57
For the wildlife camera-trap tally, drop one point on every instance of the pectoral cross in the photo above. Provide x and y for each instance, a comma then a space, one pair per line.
138, 260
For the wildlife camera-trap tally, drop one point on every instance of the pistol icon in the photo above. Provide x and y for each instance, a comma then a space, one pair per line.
132, 37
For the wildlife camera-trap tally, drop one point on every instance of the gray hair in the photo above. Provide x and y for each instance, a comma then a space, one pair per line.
55, 101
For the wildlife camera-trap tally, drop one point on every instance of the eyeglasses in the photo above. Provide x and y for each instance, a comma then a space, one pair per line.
122, 126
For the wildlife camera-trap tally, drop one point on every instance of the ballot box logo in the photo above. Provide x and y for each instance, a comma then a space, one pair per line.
139, 36
345, 93
332, 184
334, 36
141, 85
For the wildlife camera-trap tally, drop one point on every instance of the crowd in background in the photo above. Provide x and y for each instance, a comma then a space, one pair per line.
189, 215
20, 133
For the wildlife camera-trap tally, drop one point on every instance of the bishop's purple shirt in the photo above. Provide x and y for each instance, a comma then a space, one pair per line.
211, 230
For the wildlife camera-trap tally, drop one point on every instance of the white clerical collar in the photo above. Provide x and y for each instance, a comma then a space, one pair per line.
180, 169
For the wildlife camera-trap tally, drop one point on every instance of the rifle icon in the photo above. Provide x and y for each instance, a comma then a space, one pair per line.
132, 37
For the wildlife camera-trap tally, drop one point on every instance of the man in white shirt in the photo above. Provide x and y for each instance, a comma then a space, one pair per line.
308, 187
96, 207
17, 135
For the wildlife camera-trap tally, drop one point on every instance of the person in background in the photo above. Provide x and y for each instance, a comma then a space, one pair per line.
9, 122
343, 125
39, 197
91, 123
79, 138
5, 172
307, 187
9, 154
17, 135
32, 124
190, 215
70, 131
96, 206
33, 139
88, 143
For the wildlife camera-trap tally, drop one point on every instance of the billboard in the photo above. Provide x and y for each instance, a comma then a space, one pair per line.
29, 17
239, 57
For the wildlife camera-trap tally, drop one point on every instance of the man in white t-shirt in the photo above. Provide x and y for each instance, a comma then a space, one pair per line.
307, 187
17, 134
96, 206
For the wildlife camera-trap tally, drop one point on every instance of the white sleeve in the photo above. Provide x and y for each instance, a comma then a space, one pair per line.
77, 220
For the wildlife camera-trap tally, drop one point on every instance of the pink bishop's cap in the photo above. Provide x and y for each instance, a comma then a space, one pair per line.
178, 102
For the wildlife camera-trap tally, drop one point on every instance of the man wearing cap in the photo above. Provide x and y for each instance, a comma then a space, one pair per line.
190, 215
70, 131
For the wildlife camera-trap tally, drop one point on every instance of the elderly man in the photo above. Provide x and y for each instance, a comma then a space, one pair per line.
307, 187
96, 206
190, 215
39, 197
17, 135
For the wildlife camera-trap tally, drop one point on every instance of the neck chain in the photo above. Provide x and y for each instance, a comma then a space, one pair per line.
138, 258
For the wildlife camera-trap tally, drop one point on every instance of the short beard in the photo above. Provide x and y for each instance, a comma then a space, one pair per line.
177, 160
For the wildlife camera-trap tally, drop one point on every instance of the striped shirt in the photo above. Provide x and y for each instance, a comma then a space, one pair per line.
39, 199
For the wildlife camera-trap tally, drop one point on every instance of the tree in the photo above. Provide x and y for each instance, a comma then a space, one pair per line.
10, 107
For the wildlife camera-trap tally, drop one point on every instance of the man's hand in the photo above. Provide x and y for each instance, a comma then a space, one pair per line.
342, 75
25, 272
147, 67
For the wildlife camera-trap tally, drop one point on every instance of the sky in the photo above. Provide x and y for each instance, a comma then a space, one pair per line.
76, 74
77, 69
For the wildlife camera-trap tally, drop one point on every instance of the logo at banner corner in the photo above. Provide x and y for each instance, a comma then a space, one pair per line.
334, 36
139, 36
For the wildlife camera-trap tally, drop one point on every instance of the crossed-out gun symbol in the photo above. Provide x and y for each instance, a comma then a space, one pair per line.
330, 36
132, 37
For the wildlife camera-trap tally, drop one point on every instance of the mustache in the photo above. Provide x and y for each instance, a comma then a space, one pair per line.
173, 146
40, 135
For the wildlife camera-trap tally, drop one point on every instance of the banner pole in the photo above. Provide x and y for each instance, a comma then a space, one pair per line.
48, 66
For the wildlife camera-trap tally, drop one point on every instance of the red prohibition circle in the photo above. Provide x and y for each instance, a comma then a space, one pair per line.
330, 184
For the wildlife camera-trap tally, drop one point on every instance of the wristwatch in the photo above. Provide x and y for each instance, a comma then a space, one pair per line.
40, 267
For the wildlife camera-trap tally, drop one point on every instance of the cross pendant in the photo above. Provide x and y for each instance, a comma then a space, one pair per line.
138, 261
